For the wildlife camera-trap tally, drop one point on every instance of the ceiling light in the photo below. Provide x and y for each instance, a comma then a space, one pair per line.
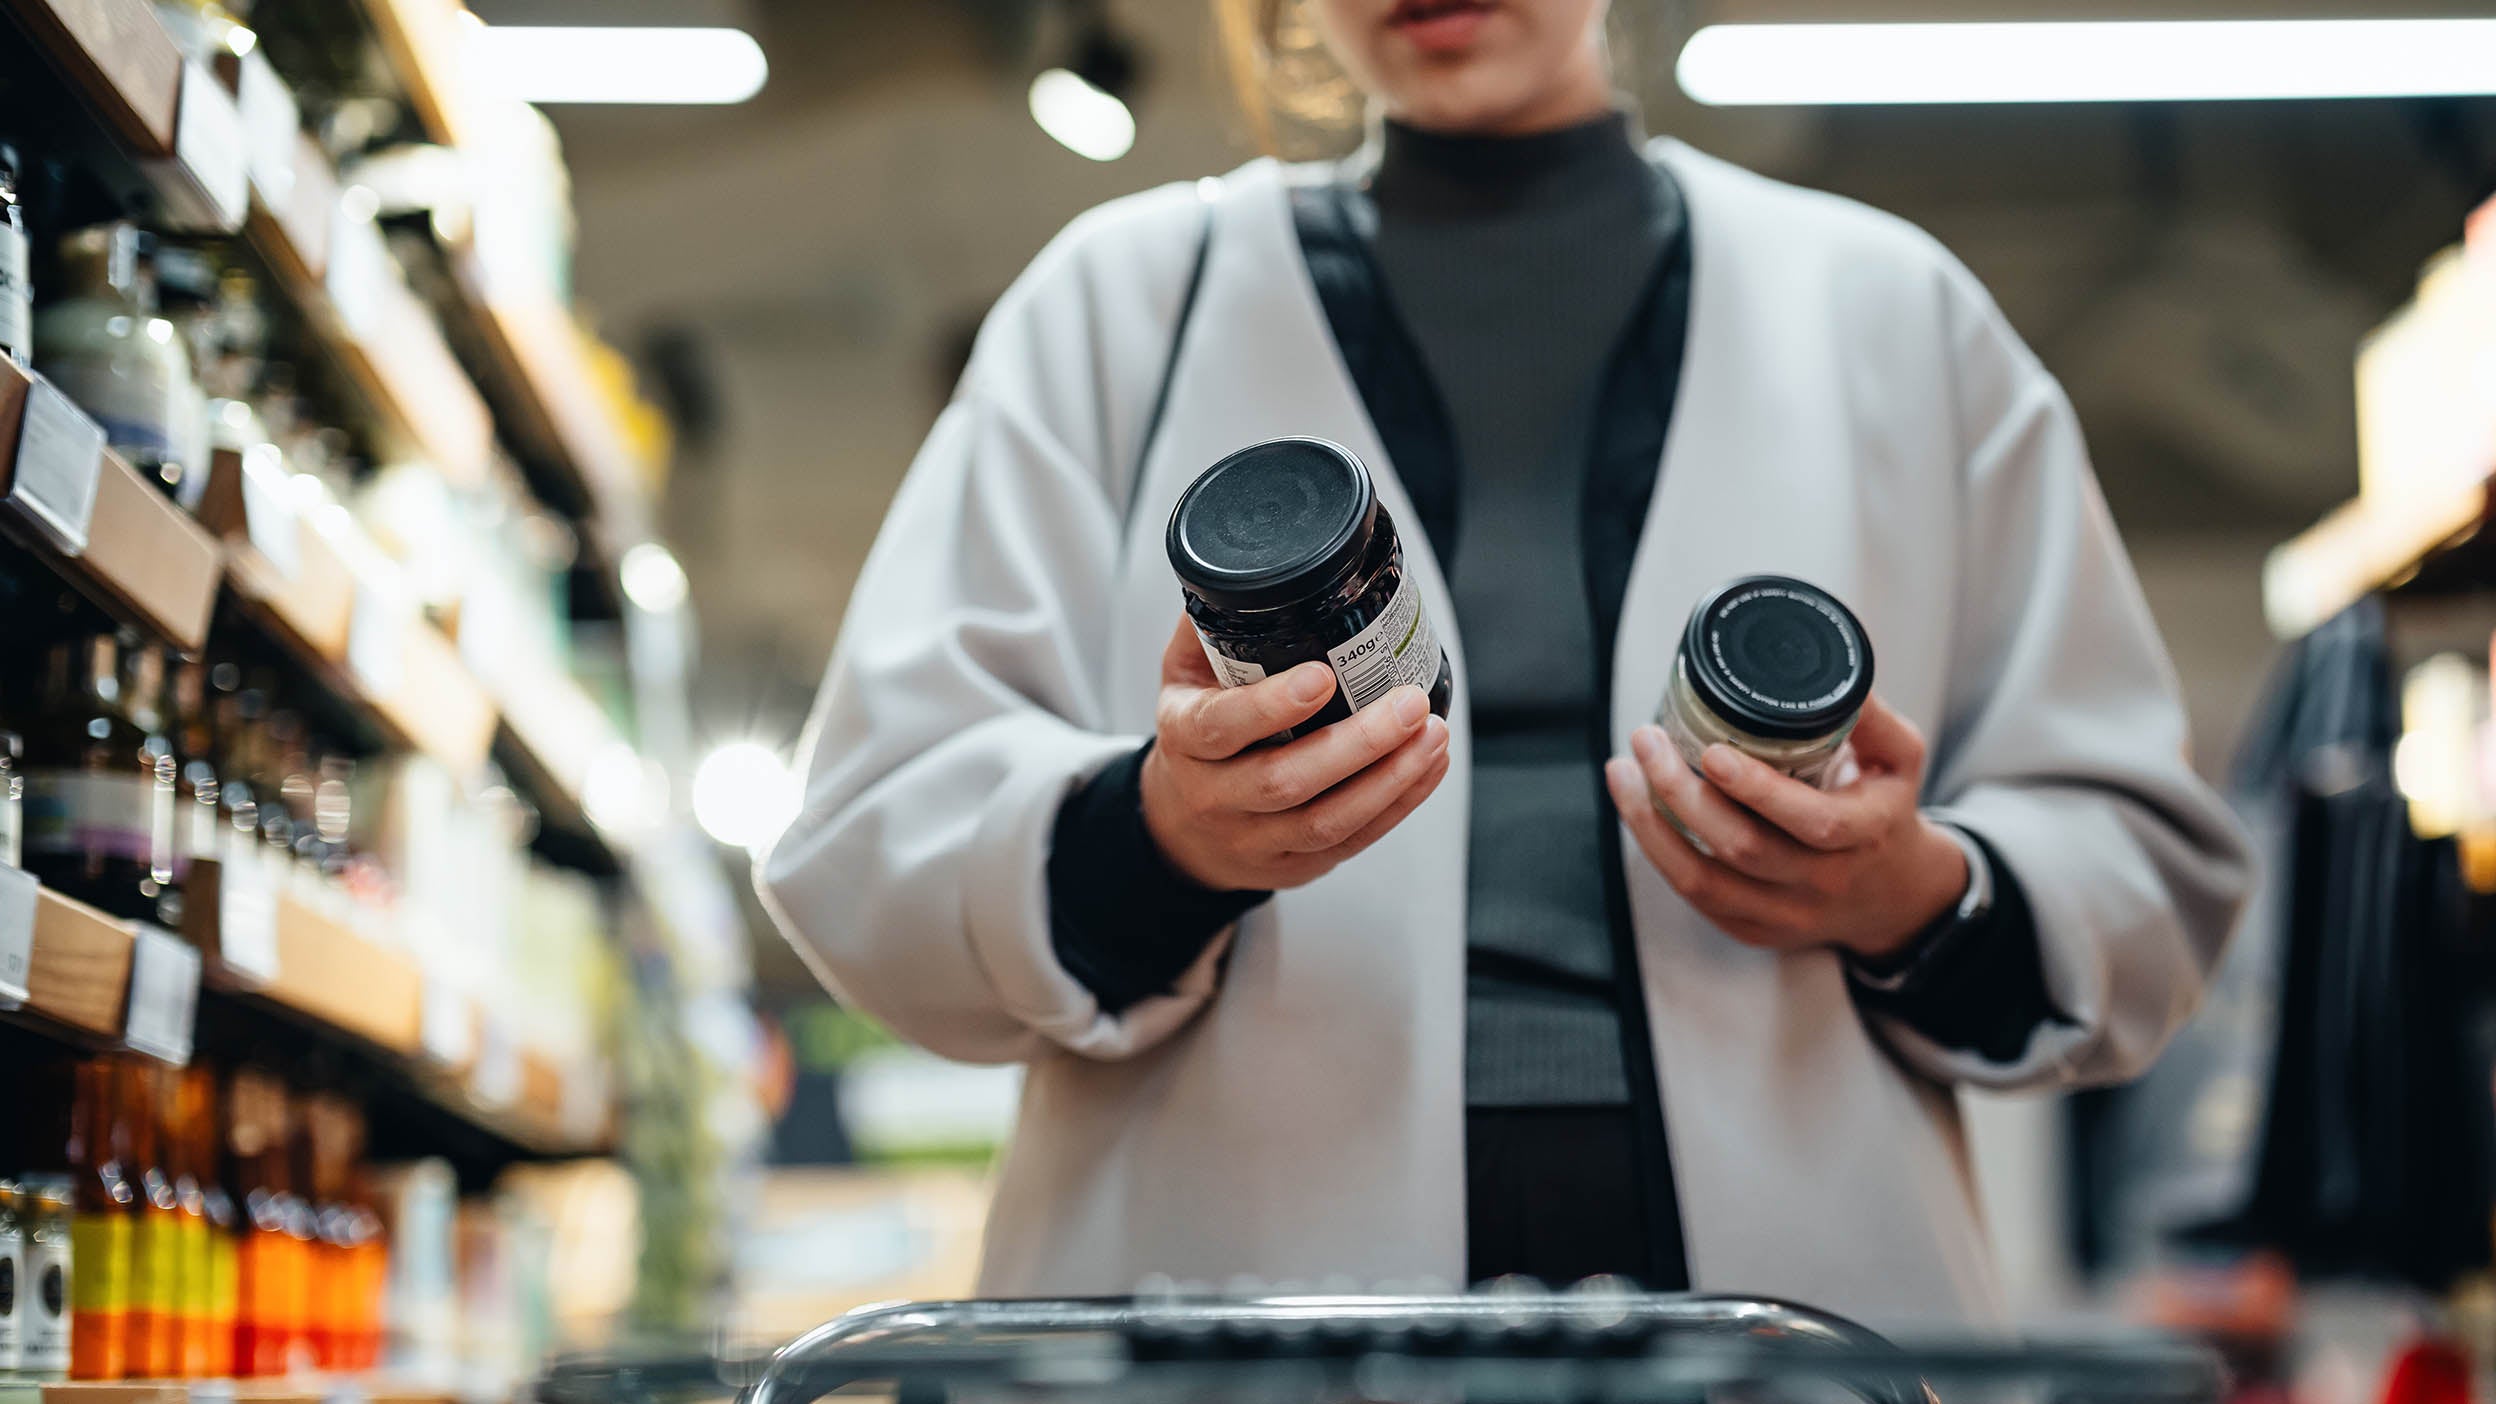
744, 794
2088, 61
1083, 118
597, 64
652, 578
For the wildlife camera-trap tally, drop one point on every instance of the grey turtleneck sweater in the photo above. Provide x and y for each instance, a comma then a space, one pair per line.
1517, 264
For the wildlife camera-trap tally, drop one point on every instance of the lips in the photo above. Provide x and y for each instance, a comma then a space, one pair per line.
1440, 26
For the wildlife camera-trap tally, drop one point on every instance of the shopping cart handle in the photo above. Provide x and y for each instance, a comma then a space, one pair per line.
1095, 1341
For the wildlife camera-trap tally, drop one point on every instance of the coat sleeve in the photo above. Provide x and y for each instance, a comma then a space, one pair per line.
2063, 741
963, 702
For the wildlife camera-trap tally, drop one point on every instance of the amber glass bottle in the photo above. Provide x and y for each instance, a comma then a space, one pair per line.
179, 1105
222, 1290
154, 1330
93, 801
103, 1204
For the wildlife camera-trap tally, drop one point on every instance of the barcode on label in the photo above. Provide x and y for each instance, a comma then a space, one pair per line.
1397, 648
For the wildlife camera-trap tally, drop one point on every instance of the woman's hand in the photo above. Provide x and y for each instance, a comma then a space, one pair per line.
1237, 816
1787, 866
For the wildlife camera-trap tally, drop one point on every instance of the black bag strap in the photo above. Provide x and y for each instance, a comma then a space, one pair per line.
1169, 368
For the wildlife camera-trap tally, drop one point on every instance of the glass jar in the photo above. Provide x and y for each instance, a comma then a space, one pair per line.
1286, 557
1777, 669
43, 1340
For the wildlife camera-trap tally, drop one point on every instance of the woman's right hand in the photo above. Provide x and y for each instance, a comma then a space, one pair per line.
1237, 816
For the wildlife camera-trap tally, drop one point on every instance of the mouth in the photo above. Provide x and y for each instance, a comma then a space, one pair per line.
1440, 26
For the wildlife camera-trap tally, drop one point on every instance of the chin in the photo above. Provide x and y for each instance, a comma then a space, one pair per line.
1460, 102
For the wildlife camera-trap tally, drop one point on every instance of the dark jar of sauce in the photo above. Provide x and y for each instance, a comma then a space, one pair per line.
1774, 667
1285, 557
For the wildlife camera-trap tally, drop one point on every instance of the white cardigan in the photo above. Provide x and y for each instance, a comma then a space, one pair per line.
1853, 410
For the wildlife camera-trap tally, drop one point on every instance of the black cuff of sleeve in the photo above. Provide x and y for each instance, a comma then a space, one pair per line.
1121, 919
1979, 986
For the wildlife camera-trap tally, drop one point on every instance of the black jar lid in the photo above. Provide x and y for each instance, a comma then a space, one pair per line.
1272, 524
1778, 657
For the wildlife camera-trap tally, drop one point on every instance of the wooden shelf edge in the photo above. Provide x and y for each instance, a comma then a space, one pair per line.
329, 974
80, 974
2362, 547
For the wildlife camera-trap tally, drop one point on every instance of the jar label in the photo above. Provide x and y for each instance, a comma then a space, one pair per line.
44, 1348
16, 297
1229, 671
12, 1265
1397, 648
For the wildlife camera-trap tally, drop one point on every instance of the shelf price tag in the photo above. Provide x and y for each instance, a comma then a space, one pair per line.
17, 934
206, 187
359, 264
268, 518
247, 914
495, 1080
270, 124
60, 464
450, 1034
377, 641
164, 995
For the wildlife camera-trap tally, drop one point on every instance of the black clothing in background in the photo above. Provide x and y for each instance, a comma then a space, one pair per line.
2347, 1014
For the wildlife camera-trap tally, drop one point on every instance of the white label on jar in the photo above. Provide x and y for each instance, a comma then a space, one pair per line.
79, 812
1229, 671
1397, 648
46, 1336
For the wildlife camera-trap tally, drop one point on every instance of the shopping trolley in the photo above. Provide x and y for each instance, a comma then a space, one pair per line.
1509, 1346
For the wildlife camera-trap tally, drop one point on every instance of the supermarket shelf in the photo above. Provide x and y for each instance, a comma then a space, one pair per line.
2366, 546
554, 403
421, 40
119, 59
118, 1392
301, 1389
96, 523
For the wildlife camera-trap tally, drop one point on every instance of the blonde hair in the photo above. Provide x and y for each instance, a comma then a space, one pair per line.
1289, 88
1297, 101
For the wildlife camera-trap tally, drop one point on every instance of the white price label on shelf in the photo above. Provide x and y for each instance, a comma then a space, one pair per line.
164, 995
208, 147
60, 464
495, 1080
449, 1024
377, 642
17, 934
247, 913
271, 123
268, 518
358, 264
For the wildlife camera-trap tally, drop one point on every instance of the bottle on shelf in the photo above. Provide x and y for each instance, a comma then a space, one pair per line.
271, 1268
178, 1107
198, 803
105, 346
12, 798
17, 289
51, 1278
98, 788
143, 700
104, 1209
154, 1326
223, 1282
206, 29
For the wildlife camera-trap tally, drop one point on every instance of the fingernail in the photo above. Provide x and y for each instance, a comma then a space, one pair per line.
1410, 705
1619, 771
1645, 741
1720, 762
1314, 682
1435, 731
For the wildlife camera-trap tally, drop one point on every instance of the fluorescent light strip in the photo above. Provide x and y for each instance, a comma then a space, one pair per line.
598, 64
1809, 65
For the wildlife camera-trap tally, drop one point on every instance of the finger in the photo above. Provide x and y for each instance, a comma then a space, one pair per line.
1340, 814
1744, 907
1884, 740
1290, 776
1828, 821
1217, 723
1397, 812
1723, 829
1183, 661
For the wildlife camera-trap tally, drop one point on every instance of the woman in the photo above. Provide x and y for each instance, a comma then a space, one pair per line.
1395, 1000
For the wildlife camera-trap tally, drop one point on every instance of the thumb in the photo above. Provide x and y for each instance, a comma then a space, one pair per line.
1183, 663
1886, 741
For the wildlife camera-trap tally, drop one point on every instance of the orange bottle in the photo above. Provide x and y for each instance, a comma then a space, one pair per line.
179, 1096
223, 1288
102, 1203
154, 1332
268, 1258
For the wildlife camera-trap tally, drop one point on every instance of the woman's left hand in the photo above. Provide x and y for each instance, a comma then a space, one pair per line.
1787, 866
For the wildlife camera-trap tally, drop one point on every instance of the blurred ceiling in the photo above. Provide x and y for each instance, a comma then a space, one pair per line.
804, 269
